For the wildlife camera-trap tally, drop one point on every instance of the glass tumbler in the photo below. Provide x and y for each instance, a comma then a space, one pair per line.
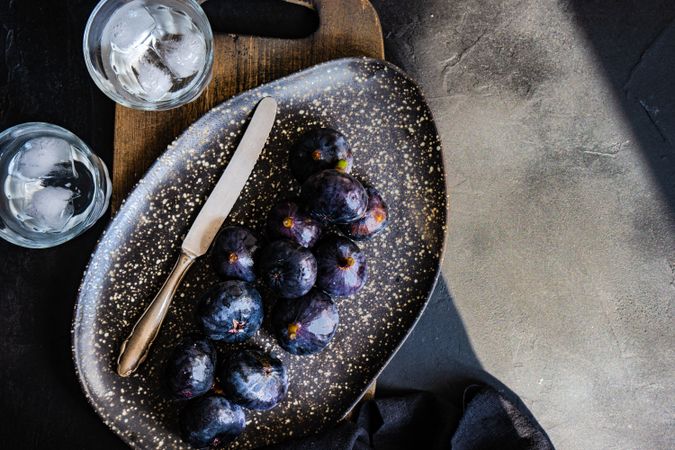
149, 54
52, 187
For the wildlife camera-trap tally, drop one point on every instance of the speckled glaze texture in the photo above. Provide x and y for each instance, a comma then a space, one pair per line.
396, 148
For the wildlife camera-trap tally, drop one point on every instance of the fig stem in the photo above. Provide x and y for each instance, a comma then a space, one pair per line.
347, 262
293, 330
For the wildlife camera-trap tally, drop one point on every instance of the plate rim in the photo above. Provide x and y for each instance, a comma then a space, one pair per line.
76, 320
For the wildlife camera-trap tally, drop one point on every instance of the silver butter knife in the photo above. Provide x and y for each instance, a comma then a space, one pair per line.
204, 229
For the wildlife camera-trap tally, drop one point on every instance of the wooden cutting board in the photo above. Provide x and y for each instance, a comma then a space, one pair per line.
346, 28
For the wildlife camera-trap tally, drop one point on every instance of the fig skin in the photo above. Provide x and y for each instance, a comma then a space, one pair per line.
287, 221
341, 266
231, 311
210, 421
333, 197
233, 253
317, 150
288, 268
190, 369
253, 379
374, 221
305, 325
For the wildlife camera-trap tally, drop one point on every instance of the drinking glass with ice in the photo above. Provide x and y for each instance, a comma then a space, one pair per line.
149, 54
52, 187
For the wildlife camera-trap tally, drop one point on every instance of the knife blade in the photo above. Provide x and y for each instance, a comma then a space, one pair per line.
215, 210
232, 181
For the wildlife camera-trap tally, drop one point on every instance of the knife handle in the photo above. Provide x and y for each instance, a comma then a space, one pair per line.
135, 348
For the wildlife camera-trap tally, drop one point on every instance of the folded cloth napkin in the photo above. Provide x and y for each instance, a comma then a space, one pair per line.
422, 421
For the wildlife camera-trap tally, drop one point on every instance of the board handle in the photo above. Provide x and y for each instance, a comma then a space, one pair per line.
263, 18
350, 22
338, 28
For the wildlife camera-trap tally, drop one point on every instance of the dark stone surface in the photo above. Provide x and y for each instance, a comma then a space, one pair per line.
560, 265
43, 78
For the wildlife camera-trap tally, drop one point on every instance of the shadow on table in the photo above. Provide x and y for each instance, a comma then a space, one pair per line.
633, 41
438, 356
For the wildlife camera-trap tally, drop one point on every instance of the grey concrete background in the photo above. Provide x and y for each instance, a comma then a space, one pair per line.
559, 276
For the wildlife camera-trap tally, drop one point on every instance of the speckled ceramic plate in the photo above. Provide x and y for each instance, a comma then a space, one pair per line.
396, 148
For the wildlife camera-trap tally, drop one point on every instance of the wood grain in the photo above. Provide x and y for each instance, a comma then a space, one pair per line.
347, 28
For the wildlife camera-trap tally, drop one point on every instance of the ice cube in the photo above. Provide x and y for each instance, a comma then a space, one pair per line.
80, 181
19, 192
40, 156
185, 54
129, 26
155, 80
51, 208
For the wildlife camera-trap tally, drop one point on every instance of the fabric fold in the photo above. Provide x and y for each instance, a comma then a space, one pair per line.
423, 421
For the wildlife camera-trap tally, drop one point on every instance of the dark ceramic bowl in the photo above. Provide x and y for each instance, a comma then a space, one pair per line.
396, 148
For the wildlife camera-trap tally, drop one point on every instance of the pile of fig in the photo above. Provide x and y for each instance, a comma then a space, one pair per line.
308, 260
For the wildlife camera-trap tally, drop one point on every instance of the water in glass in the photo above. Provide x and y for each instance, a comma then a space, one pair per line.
154, 51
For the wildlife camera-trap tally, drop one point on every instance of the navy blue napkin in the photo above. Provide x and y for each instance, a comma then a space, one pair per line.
422, 421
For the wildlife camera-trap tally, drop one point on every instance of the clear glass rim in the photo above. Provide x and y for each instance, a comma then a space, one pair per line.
189, 96
102, 181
